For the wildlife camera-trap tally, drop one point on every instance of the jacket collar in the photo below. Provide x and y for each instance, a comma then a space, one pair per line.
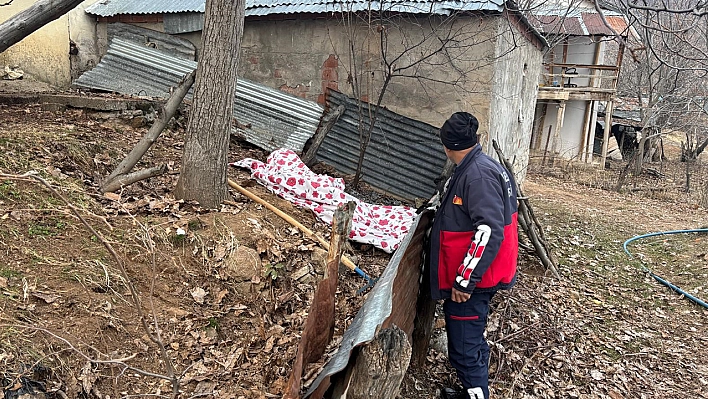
469, 157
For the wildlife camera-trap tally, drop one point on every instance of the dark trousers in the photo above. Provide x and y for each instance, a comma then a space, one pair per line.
468, 350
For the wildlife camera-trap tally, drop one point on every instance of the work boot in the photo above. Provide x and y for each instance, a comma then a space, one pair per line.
471, 393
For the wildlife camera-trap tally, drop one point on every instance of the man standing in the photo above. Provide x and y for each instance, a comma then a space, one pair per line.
473, 250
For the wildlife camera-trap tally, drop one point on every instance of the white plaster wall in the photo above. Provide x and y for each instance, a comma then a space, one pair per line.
569, 142
44, 54
83, 32
581, 50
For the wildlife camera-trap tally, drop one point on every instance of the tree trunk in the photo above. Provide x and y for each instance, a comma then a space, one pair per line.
380, 366
702, 147
39, 14
206, 145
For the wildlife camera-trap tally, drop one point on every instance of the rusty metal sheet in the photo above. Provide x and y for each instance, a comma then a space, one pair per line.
596, 26
558, 25
391, 301
579, 23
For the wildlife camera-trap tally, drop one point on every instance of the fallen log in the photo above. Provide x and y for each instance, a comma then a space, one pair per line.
166, 113
130, 178
327, 122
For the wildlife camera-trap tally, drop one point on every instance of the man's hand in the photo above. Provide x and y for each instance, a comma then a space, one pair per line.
459, 296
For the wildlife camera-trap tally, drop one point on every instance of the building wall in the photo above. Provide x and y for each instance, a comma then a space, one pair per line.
44, 55
581, 50
83, 33
570, 140
304, 57
516, 73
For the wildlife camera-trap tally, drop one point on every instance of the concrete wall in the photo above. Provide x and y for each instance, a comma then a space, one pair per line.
516, 72
304, 57
44, 55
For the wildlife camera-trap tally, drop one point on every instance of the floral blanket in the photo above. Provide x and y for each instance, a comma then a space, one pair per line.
383, 226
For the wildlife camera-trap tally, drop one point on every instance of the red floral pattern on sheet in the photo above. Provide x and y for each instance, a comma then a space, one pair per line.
383, 226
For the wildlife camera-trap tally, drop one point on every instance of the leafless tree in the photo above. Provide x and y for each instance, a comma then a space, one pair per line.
388, 49
668, 66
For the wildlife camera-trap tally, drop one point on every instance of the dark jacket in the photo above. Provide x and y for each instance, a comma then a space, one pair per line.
474, 239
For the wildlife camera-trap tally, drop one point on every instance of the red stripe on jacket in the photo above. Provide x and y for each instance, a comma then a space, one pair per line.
454, 246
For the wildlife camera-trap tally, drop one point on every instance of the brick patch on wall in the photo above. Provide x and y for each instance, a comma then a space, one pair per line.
330, 77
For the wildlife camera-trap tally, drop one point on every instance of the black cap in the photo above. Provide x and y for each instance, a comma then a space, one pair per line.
459, 132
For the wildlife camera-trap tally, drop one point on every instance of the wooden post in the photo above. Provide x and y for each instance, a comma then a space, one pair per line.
589, 131
327, 122
582, 151
536, 144
548, 140
557, 133
606, 134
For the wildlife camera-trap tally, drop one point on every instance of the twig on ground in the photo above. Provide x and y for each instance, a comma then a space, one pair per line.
115, 362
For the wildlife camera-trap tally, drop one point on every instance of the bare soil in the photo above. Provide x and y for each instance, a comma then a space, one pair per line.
230, 296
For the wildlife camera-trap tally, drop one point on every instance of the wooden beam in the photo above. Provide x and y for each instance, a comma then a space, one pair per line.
552, 95
588, 66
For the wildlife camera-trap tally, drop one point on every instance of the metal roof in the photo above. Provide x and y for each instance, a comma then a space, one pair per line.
404, 155
578, 22
266, 7
277, 119
109, 8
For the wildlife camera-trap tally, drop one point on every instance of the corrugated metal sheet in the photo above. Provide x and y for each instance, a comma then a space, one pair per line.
559, 25
403, 157
172, 45
277, 119
595, 25
183, 22
109, 8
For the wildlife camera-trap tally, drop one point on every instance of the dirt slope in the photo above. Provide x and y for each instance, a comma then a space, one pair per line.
230, 296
